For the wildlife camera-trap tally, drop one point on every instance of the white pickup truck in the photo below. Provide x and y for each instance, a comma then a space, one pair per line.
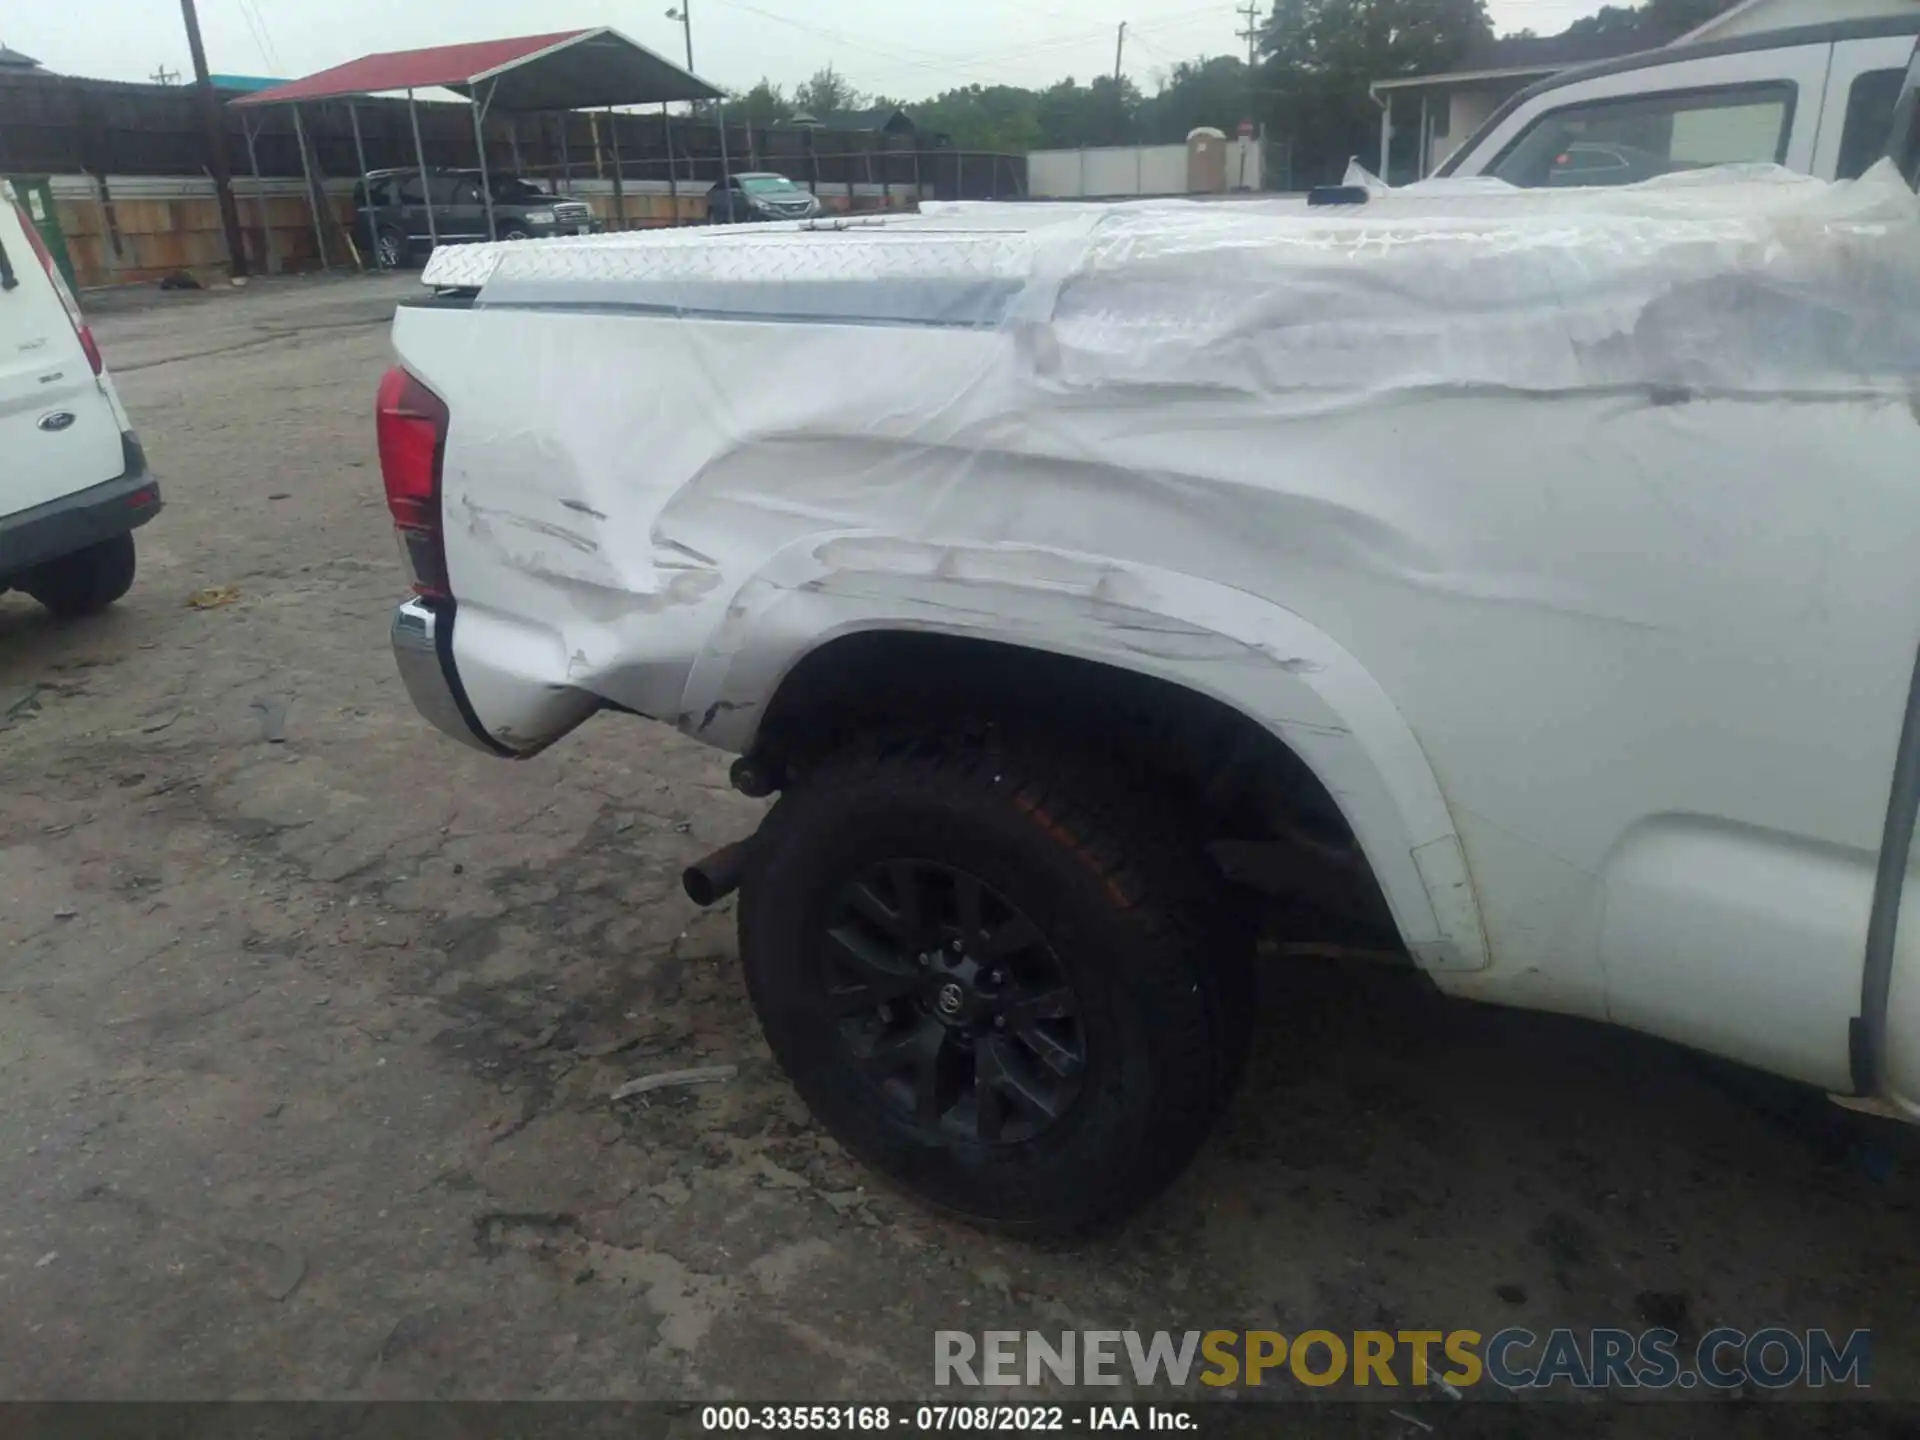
1816, 98
1523, 582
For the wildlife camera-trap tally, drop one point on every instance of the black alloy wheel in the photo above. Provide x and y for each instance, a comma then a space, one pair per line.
1005, 975
951, 1002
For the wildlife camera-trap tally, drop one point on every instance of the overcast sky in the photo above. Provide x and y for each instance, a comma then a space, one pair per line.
907, 48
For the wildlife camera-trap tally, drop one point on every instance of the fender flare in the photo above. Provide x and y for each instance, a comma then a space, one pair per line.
1238, 648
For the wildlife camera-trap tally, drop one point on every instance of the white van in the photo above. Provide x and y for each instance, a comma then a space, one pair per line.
74, 483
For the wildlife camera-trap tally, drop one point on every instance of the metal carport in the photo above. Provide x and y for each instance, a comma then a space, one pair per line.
566, 70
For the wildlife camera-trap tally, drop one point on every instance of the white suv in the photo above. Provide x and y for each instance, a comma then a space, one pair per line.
75, 484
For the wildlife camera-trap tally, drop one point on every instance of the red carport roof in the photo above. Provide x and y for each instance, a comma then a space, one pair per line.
565, 70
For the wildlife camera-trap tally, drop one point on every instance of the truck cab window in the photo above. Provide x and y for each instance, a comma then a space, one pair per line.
1621, 141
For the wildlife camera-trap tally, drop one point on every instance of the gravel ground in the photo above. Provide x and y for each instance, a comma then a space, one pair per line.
307, 1046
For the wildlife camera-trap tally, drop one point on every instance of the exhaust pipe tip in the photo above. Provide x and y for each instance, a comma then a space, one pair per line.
709, 881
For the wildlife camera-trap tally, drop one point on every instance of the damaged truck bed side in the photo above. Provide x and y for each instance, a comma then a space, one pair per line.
1525, 578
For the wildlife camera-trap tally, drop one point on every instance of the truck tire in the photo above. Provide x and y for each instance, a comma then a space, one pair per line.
85, 582
996, 975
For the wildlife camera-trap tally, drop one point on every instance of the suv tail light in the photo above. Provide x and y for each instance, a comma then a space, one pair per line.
411, 422
81, 330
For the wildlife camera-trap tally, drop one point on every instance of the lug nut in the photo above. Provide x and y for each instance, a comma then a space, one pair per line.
999, 1022
956, 947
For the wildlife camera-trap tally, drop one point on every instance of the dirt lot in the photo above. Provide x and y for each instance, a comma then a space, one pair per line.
307, 1045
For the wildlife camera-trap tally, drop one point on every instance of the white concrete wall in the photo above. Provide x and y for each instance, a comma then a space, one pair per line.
1129, 170
1053, 172
1136, 170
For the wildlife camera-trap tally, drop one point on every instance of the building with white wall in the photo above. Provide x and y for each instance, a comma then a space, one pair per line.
1210, 163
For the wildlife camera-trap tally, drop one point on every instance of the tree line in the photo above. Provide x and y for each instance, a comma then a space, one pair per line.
1309, 87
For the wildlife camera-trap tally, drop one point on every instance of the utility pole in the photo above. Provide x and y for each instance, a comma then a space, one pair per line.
164, 76
1251, 11
215, 138
683, 12
1119, 96
1119, 52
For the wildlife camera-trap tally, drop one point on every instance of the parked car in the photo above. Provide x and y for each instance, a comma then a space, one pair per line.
390, 212
1536, 607
755, 197
1585, 163
1817, 98
74, 483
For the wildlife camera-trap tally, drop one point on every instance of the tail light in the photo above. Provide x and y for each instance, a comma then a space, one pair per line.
80, 328
411, 422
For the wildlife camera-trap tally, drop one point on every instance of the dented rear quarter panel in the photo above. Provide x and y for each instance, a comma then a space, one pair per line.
1536, 643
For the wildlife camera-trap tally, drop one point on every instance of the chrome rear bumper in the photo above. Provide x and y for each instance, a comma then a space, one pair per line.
422, 648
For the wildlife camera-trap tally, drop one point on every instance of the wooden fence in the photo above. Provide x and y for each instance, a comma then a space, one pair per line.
147, 228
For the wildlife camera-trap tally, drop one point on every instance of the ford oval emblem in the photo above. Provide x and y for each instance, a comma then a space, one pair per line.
55, 420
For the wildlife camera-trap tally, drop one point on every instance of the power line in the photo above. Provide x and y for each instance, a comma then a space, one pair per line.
246, 18
970, 68
1169, 63
839, 37
967, 63
1135, 29
266, 35
1026, 9
1157, 51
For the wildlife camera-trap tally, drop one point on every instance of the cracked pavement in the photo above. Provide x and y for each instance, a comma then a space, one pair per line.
307, 1046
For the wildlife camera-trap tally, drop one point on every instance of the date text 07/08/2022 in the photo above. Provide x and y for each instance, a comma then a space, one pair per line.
936, 1419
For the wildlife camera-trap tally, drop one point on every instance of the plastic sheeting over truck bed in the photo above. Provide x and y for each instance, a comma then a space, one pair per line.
1741, 280
1567, 538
